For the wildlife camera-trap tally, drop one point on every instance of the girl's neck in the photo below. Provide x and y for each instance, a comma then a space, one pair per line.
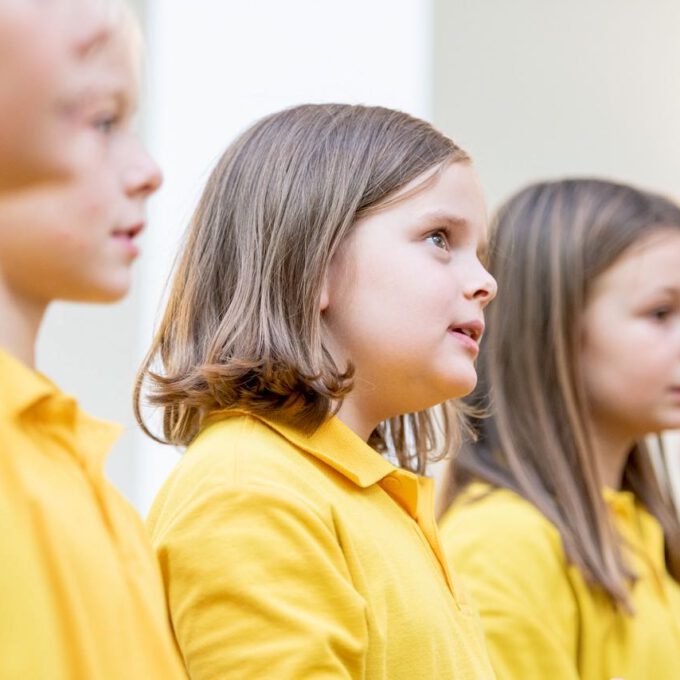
612, 446
357, 417
21, 319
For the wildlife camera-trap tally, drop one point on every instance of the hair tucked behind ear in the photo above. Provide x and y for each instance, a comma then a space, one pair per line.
548, 245
242, 327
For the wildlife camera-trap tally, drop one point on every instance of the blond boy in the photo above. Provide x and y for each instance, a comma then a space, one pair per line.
80, 594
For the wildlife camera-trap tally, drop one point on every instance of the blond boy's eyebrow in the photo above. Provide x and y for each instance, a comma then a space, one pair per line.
125, 101
95, 39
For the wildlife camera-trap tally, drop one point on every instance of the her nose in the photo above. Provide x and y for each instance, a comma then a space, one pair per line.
482, 286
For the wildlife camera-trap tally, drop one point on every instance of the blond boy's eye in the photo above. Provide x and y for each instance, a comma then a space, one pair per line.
105, 123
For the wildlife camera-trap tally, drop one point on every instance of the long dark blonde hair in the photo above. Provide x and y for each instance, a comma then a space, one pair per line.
548, 244
242, 327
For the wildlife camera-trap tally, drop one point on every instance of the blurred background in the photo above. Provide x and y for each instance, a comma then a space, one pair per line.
530, 88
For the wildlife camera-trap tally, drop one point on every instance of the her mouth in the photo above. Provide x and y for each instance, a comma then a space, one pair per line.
471, 329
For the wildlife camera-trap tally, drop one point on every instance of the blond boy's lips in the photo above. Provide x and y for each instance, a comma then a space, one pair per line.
132, 230
126, 236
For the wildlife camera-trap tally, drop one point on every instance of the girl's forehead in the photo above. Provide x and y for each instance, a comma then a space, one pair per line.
652, 261
650, 249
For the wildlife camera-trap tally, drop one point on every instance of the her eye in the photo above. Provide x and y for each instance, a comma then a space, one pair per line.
661, 313
439, 238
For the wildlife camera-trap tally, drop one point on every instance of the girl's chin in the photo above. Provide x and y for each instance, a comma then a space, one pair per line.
463, 388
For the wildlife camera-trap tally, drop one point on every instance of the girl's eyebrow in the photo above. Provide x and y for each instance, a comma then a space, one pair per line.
673, 291
657, 295
444, 218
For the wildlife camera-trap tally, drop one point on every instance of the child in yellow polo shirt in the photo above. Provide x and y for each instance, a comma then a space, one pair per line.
329, 295
80, 593
561, 524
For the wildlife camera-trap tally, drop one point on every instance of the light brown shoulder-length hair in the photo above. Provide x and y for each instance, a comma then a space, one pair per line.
548, 245
242, 327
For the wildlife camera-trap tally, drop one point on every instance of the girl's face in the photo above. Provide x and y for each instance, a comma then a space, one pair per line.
631, 348
405, 296
75, 240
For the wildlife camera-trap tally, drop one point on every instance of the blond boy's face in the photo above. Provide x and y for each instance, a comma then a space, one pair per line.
76, 240
45, 73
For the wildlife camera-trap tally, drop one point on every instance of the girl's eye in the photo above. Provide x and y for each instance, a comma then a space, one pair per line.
661, 313
439, 239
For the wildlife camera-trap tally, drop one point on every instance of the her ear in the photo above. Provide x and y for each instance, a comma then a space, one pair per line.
324, 298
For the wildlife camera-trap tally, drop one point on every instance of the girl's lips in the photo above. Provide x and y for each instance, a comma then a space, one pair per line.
468, 342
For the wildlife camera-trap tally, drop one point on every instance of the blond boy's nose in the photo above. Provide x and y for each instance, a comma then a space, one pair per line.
145, 178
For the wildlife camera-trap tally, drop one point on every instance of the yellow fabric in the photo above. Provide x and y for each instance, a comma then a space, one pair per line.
289, 557
541, 619
80, 593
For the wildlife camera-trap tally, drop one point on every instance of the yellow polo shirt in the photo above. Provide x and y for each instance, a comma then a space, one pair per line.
288, 556
541, 619
80, 593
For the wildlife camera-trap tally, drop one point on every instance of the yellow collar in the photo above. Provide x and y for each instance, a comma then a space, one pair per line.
20, 387
621, 503
342, 449
26, 394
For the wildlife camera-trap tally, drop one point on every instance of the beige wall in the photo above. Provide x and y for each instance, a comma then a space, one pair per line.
536, 88
540, 88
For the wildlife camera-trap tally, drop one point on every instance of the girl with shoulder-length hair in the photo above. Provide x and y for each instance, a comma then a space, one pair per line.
329, 295
562, 519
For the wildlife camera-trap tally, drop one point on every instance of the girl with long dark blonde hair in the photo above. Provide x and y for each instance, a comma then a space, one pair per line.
561, 520
328, 296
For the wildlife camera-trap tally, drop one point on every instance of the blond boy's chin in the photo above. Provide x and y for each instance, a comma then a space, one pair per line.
98, 289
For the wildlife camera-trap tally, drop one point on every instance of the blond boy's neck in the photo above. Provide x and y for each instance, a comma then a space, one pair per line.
20, 325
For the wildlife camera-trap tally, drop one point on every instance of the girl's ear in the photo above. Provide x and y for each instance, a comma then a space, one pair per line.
324, 298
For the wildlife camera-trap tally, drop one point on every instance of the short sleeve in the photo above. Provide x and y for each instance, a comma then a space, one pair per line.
258, 587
